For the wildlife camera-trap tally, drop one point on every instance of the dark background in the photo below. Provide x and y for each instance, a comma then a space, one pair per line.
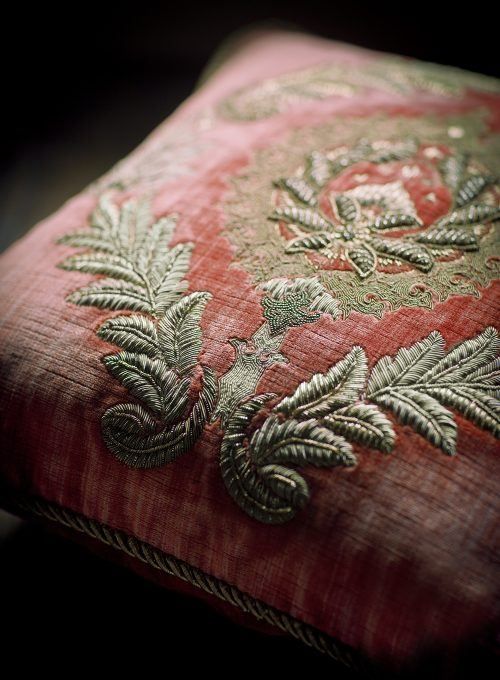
82, 85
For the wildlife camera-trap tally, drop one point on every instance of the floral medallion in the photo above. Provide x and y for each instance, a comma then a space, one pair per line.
385, 220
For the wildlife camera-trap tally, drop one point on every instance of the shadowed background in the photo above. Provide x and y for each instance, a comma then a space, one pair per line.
82, 86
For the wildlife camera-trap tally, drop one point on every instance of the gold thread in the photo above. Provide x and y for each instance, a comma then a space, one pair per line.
272, 96
161, 351
458, 255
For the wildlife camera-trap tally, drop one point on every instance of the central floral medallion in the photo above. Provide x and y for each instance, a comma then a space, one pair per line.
384, 221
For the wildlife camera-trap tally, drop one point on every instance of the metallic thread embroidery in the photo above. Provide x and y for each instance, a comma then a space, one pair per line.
160, 354
421, 380
371, 244
355, 232
266, 438
389, 74
285, 304
315, 424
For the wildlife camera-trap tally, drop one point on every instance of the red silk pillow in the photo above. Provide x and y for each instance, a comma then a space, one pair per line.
260, 354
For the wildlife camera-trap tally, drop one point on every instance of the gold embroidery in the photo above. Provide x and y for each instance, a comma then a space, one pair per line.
285, 304
367, 242
315, 424
161, 351
388, 74
389, 256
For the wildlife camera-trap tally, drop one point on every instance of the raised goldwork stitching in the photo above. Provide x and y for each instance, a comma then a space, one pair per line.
286, 304
315, 424
389, 74
265, 438
161, 351
367, 242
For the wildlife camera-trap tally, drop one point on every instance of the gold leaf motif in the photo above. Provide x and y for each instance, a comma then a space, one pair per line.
362, 258
420, 380
324, 393
134, 333
312, 242
406, 251
476, 213
472, 188
449, 237
310, 220
161, 352
179, 332
362, 423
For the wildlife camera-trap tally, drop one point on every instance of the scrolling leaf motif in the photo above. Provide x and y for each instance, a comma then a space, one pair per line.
159, 360
267, 440
315, 425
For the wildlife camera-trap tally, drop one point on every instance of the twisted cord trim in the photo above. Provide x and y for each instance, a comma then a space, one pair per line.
173, 566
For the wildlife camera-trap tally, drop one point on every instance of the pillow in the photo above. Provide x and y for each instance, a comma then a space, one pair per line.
260, 355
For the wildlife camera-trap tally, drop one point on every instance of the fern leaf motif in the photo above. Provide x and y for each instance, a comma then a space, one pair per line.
88, 241
149, 380
299, 443
318, 424
325, 392
311, 427
364, 424
170, 282
113, 266
315, 424
151, 252
466, 358
424, 414
422, 380
179, 333
113, 295
144, 273
138, 440
475, 405
134, 333
258, 476
160, 350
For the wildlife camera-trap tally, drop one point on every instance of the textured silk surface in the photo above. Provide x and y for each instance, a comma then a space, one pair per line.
394, 556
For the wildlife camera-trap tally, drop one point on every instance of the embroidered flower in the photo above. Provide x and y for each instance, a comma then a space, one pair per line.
373, 226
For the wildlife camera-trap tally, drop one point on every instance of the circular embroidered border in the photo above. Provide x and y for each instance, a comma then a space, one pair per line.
260, 247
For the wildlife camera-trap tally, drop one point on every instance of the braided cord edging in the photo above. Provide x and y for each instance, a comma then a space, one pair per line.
173, 566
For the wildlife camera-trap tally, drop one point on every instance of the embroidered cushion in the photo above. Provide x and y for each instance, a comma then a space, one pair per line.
260, 354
